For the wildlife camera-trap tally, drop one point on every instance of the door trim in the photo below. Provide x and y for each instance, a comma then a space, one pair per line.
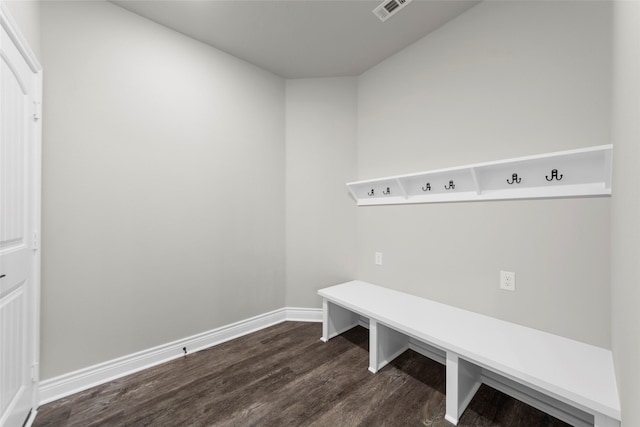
35, 140
11, 27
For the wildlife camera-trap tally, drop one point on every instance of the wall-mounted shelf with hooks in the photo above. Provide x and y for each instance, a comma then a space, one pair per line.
585, 172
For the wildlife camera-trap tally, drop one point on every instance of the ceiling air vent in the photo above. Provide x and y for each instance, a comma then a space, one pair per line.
389, 8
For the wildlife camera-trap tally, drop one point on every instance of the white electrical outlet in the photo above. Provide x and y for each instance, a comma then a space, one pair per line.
378, 258
508, 280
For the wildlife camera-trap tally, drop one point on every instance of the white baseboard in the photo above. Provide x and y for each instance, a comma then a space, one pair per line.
31, 418
428, 351
567, 413
82, 379
298, 314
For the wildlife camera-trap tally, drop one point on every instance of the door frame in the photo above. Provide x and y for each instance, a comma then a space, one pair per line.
35, 157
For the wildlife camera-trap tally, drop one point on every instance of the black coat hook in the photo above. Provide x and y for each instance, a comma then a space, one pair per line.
427, 187
451, 186
371, 193
554, 174
514, 178
386, 193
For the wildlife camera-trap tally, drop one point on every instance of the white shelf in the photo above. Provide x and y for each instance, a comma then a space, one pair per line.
585, 172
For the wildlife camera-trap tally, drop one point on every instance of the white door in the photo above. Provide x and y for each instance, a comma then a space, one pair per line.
19, 220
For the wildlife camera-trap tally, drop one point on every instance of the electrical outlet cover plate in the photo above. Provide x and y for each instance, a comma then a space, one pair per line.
508, 280
378, 258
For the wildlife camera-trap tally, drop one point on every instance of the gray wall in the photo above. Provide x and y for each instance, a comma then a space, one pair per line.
163, 195
505, 79
625, 209
320, 214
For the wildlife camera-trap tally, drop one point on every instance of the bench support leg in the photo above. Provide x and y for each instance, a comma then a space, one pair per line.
385, 344
336, 320
604, 421
463, 380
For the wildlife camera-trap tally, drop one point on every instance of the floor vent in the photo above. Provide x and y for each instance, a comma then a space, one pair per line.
389, 8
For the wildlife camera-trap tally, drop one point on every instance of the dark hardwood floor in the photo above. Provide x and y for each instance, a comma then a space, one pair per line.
285, 376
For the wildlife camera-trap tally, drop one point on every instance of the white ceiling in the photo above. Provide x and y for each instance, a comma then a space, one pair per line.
301, 38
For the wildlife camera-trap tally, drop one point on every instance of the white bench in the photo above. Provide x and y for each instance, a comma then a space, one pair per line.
570, 380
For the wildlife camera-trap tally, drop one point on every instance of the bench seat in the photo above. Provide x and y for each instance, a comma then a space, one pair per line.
574, 373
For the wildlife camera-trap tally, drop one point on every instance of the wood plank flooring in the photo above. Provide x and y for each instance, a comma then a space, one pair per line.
285, 376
